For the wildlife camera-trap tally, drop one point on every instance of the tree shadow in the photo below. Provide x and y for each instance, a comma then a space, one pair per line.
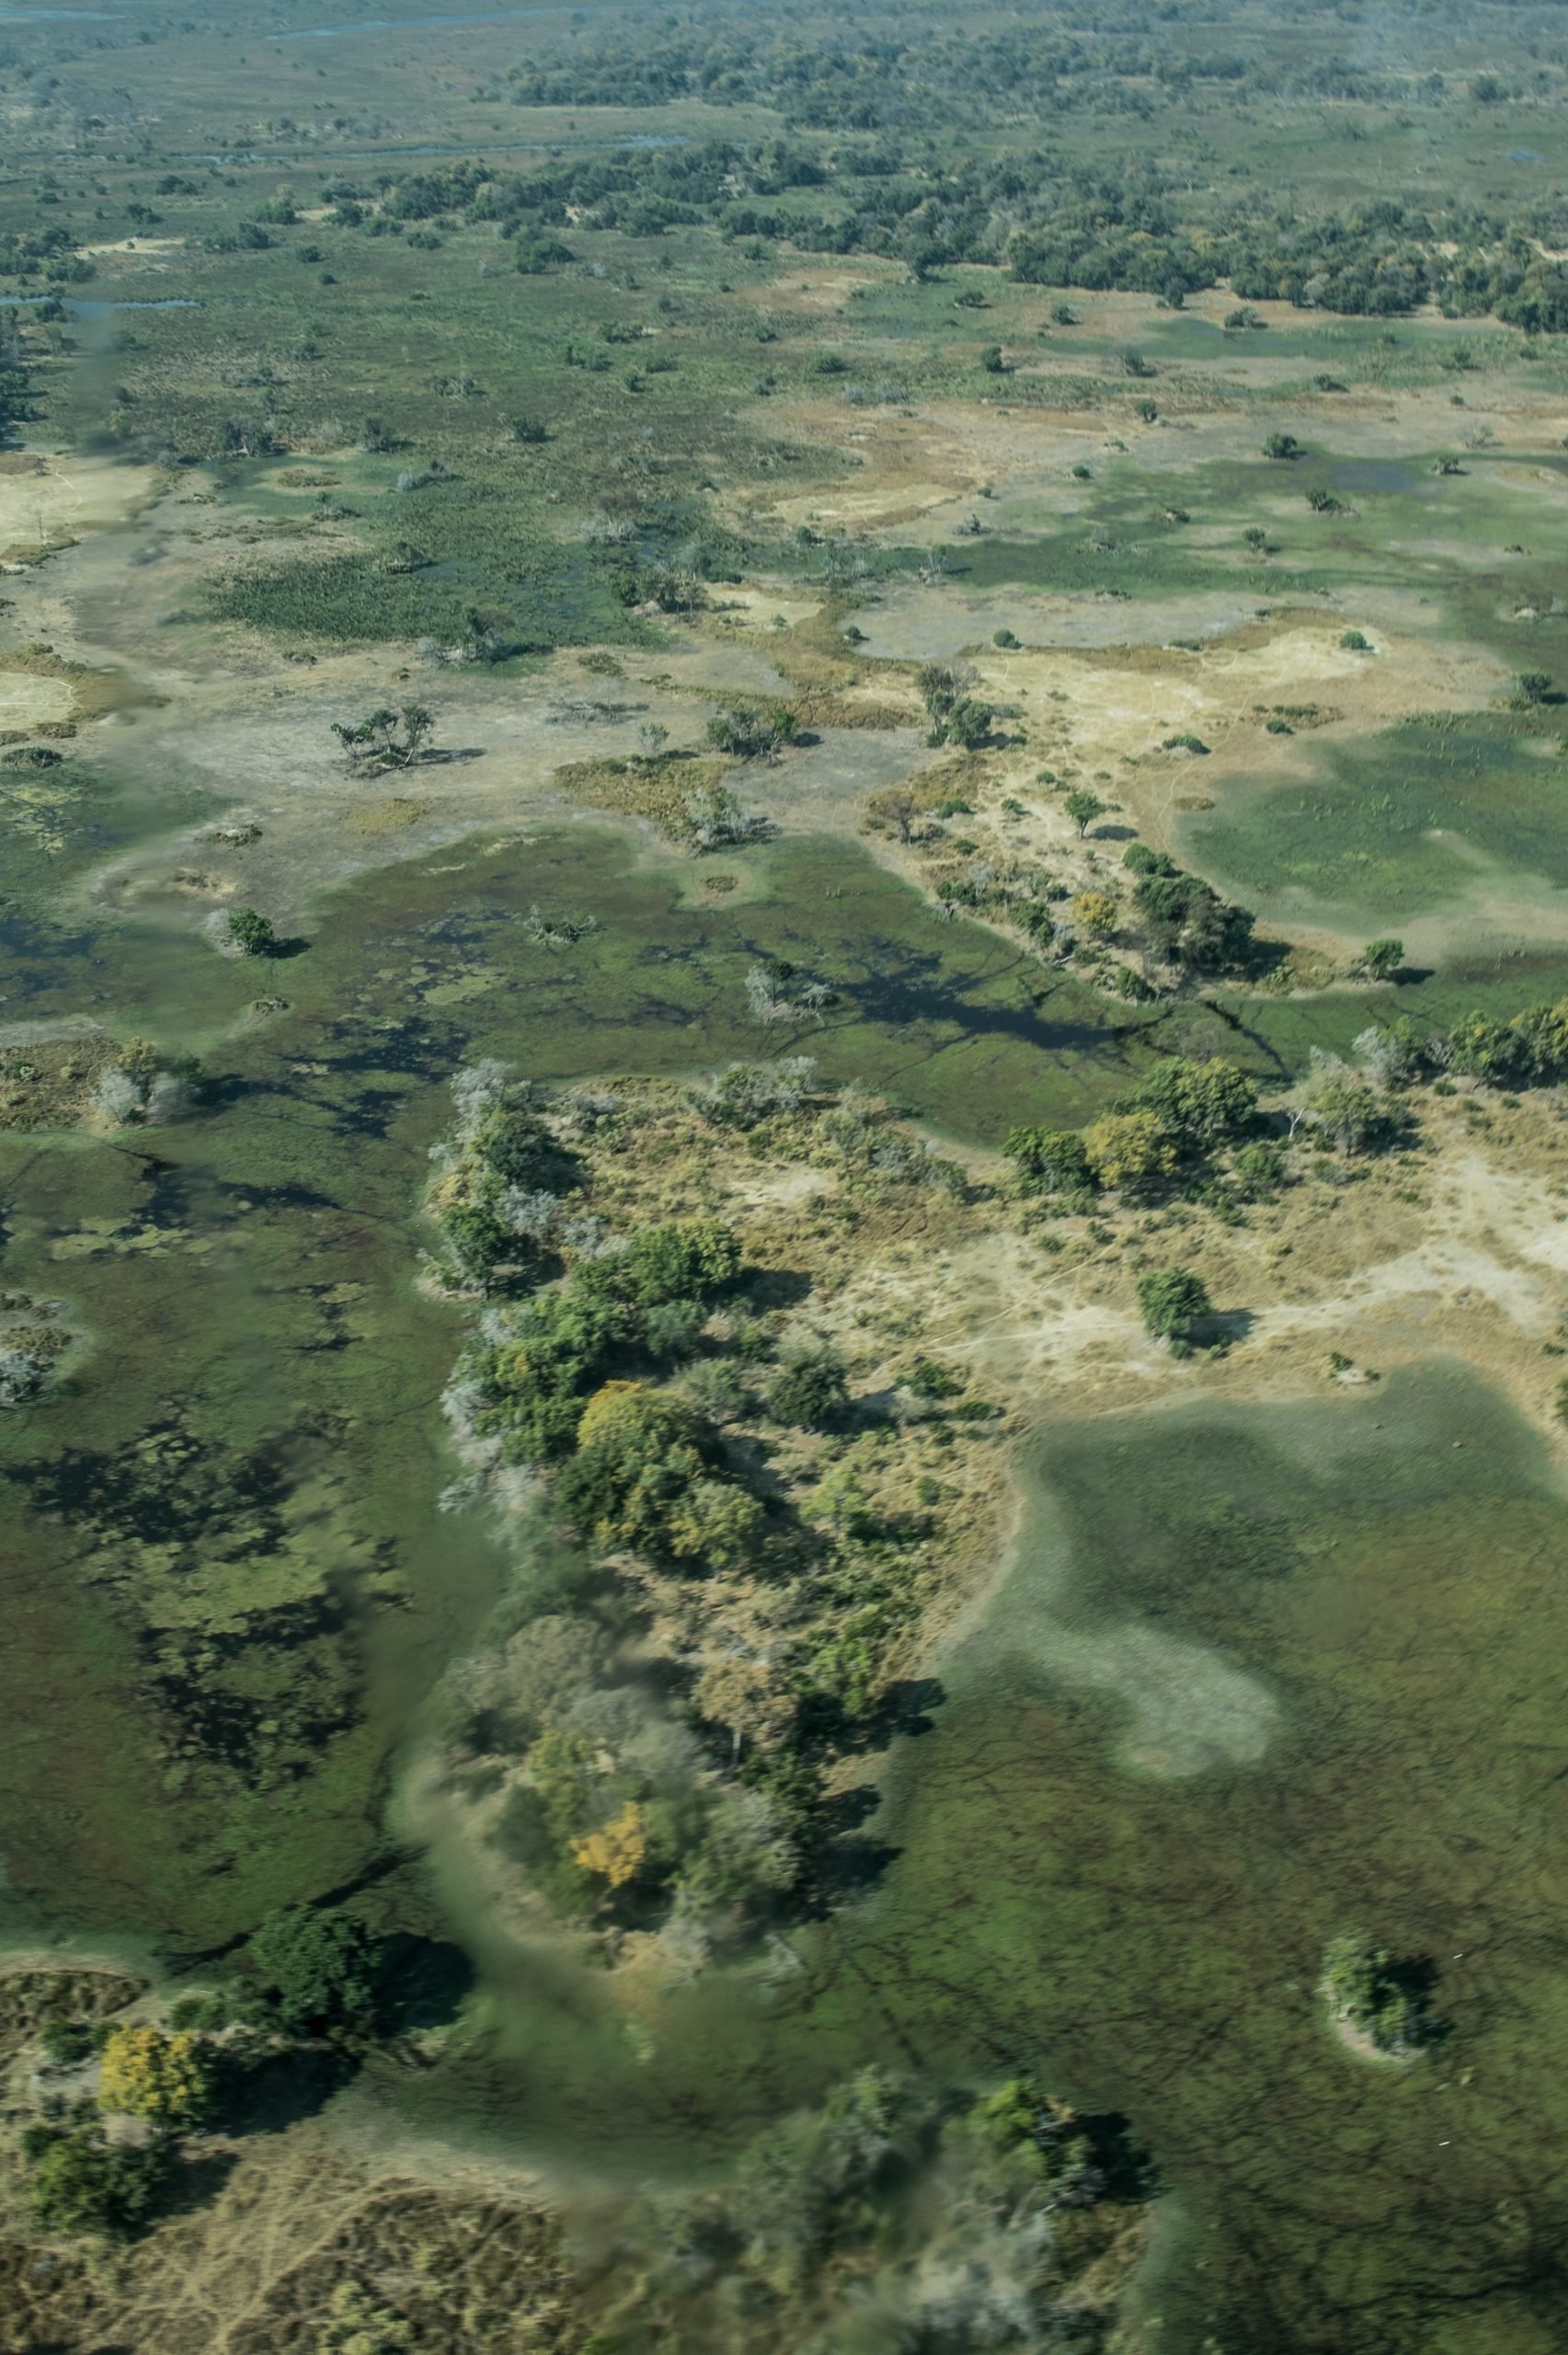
196, 2182
1127, 2165
421, 1983
767, 1288
282, 2089
843, 1862
1222, 1328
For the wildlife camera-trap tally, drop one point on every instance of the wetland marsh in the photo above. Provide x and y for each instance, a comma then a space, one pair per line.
784, 1008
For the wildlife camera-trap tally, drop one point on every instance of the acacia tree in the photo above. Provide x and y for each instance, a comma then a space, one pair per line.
377, 741
1083, 808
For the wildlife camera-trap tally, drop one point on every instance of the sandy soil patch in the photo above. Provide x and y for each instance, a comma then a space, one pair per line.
44, 501
26, 700
755, 608
810, 289
140, 246
1113, 710
1472, 1260
901, 468
913, 622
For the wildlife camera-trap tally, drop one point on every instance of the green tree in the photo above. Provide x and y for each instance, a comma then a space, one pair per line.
1191, 924
968, 723
1535, 686
316, 1969
1381, 959
1256, 1172
1352, 1115
1083, 808
678, 1260
1382, 2000
1282, 445
1173, 1300
716, 1522
252, 934
83, 2183
638, 1451
1055, 1159
1199, 1103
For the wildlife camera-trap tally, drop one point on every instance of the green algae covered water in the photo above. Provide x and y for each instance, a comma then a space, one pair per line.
1253, 1678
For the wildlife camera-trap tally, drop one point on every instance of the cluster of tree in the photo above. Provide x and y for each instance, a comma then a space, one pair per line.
1051, 222
857, 81
1011, 888
1189, 924
1528, 1049
499, 1198
16, 385
619, 1382
778, 991
956, 714
104, 2157
48, 251
712, 818
954, 2220
751, 734
144, 1085
639, 1305
1166, 1130
819, 73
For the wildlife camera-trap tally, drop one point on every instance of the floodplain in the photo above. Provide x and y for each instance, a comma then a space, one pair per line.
784, 1008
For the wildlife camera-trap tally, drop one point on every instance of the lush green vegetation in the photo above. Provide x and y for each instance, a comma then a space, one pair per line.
1392, 826
1387, 2002
642, 1375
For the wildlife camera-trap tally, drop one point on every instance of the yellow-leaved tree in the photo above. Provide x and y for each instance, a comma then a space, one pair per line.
617, 1850
1129, 1149
1095, 914
155, 2074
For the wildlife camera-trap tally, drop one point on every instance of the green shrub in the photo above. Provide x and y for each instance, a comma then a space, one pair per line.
83, 2183
1172, 1302
810, 1392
